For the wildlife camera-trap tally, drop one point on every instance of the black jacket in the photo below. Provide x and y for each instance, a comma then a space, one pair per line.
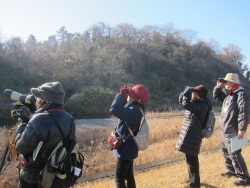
42, 127
195, 115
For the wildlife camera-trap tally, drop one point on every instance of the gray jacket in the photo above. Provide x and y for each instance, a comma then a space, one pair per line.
190, 138
235, 112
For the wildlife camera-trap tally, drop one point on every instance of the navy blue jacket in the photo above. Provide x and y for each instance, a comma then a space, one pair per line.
128, 116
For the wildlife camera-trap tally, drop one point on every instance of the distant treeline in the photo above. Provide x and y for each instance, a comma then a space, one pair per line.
93, 65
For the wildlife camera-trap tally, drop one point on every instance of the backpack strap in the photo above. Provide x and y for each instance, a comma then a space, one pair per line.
131, 132
72, 143
58, 126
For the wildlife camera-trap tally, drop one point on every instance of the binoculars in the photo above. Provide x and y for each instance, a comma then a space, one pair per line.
222, 80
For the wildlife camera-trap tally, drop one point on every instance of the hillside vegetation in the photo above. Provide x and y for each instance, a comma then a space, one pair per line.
94, 64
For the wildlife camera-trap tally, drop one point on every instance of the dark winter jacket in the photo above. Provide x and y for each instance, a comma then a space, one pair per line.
42, 127
128, 116
235, 113
195, 115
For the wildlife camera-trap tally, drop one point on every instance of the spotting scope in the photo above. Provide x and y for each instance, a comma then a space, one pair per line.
22, 98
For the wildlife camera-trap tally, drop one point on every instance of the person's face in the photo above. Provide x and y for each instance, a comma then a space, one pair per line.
228, 85
129, 99
38, 103
194, 96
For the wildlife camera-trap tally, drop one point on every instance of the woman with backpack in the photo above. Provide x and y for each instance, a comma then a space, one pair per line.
197, 105
126, 106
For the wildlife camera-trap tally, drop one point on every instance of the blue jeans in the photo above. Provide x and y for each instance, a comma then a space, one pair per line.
124, 171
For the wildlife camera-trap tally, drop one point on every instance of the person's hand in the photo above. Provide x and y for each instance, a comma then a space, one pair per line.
124, 91
31, 107
24, 118
219, 84
241, 134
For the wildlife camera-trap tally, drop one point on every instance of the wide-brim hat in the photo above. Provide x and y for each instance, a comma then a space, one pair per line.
139, 93
51, 91
231, 77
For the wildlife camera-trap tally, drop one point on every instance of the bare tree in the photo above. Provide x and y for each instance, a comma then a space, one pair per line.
147, 32
188, 35
233, 53
125, 32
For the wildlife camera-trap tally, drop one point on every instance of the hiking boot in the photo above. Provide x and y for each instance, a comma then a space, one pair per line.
242, 182
227, 174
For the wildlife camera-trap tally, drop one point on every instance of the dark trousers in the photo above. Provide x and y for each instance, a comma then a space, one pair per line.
193, 170
234, 162
24, 184
124, 171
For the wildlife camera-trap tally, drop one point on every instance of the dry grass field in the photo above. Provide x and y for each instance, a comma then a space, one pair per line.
174, 176
164, 131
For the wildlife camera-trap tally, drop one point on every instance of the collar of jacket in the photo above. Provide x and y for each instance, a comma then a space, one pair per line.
137, 104
240, 88
232, 92
50, 107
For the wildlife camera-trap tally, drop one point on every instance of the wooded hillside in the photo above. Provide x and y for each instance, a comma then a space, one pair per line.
93, 65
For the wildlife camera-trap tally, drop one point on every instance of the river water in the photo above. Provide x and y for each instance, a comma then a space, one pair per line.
80, 123
84, 123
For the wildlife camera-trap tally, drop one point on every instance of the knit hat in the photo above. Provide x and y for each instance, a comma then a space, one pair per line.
231, 77
139, 93
51, 91
201, 91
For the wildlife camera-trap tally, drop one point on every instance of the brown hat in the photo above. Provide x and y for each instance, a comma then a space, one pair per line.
139, 93
201, 91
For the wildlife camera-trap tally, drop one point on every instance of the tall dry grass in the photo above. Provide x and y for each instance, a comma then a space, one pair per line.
164, 132
174, 176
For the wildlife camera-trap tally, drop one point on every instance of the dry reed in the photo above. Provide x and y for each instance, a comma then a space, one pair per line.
174, 176
164, 132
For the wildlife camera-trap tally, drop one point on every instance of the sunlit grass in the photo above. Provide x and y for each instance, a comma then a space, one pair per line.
174, 176
164, 132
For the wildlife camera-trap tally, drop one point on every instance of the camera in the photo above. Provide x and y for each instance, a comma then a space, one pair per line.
222, 80
24, 99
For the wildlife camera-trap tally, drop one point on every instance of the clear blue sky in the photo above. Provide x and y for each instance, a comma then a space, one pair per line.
225, 21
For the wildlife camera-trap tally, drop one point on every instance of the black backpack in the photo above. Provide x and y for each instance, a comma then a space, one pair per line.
64, 165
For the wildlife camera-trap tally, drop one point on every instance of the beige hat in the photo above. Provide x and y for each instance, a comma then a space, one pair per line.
231, 77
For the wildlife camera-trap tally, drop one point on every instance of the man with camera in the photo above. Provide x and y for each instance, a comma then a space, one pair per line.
235, 115
42, 129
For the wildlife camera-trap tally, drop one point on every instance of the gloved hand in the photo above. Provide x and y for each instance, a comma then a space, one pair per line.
31, 107
24, 118
124, 91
